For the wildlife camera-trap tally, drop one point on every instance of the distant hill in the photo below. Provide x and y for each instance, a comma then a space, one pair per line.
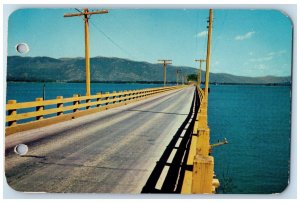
111, 69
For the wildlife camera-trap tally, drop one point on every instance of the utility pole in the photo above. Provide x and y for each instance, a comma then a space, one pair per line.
199, 71
86, 14
208, 52
177, 74
44, 91
165, 62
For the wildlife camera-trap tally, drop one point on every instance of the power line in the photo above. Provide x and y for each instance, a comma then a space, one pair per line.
105, 35
78, 10
111, 40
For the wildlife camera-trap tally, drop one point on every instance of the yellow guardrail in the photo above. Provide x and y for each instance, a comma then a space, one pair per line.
200, 180
78, 105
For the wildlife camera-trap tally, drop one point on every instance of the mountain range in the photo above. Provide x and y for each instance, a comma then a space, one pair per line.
108, 69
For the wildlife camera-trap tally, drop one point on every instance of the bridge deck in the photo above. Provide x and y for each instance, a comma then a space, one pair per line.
113, 151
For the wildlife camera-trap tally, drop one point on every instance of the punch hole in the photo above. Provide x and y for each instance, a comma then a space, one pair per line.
22, 48
21, 149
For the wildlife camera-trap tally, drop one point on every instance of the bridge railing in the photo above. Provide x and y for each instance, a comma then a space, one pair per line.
41, 112
200, 180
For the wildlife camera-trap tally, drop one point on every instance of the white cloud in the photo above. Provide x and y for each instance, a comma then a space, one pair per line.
261, 59
202, 34
282, 52
261, 66
268, 57
277, 53
245, 36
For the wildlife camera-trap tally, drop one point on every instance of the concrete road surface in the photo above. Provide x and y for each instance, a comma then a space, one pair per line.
113, 151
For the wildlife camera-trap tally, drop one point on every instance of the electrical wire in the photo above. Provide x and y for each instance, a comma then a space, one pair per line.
78, 10
110, 39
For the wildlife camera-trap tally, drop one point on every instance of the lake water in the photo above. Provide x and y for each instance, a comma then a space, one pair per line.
256, 122
29, 91
254, 119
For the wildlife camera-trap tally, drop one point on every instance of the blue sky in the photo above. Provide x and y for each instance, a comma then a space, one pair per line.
245, 42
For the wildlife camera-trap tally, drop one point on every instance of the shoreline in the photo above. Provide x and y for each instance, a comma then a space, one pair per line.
153, 82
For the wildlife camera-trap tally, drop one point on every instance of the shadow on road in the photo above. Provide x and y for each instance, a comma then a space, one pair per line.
172, 183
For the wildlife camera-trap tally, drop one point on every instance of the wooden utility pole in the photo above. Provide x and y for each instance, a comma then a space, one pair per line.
208, 52
86, 14
165, 62
177, 74
199, 71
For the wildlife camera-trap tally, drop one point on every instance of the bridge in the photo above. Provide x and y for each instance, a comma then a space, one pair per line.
138, 141
153, 140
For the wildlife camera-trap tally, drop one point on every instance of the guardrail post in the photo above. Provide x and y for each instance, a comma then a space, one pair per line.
114, 97
75, 102
39, 108
12, 112
120, 96
203, 174
107, 98
132, 95
87, 101
135, 94
60, 106
143, 93
99, 98
125, 95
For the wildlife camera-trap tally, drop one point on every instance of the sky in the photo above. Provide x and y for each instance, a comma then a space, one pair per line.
244, 42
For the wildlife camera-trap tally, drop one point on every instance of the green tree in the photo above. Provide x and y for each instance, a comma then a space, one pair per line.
192, 77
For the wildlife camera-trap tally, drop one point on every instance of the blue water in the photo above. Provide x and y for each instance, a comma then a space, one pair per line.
23, 92
254, 119
256, 122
